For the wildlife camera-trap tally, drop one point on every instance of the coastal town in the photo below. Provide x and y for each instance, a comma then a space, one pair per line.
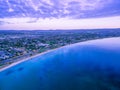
16, 45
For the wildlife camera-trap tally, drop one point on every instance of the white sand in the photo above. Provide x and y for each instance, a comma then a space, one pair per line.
25, 59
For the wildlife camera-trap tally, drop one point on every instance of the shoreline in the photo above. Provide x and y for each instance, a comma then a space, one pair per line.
39, 54
25, 59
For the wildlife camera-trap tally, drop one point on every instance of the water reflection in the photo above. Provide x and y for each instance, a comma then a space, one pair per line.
92, 65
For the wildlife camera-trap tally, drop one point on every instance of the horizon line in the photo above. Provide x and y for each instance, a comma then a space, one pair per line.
59, 29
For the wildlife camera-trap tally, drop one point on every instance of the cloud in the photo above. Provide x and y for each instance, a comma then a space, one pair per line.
63, 23
87, 4
2, 22
59, 8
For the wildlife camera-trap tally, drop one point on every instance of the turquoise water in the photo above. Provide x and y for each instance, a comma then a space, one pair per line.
91, 65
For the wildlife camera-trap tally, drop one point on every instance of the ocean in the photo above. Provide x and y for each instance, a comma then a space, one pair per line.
90, 65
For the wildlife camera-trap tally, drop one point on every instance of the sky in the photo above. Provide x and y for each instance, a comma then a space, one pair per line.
59, 14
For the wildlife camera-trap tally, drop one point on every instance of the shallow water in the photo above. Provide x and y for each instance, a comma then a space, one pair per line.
92, 65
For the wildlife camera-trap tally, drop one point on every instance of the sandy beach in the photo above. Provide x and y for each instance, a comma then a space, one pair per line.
25, 59
28, 58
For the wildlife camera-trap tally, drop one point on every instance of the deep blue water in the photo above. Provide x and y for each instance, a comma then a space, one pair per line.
91, 65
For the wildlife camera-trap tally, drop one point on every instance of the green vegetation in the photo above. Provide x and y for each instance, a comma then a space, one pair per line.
15, 45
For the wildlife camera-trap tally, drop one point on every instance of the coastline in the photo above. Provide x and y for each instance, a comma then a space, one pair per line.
39, 54
25, 59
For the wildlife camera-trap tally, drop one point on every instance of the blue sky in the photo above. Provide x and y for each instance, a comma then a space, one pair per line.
59, 14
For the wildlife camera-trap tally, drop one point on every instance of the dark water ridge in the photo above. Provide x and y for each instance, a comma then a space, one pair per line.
91, 65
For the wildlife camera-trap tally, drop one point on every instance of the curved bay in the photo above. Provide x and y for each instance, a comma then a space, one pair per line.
91, 65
